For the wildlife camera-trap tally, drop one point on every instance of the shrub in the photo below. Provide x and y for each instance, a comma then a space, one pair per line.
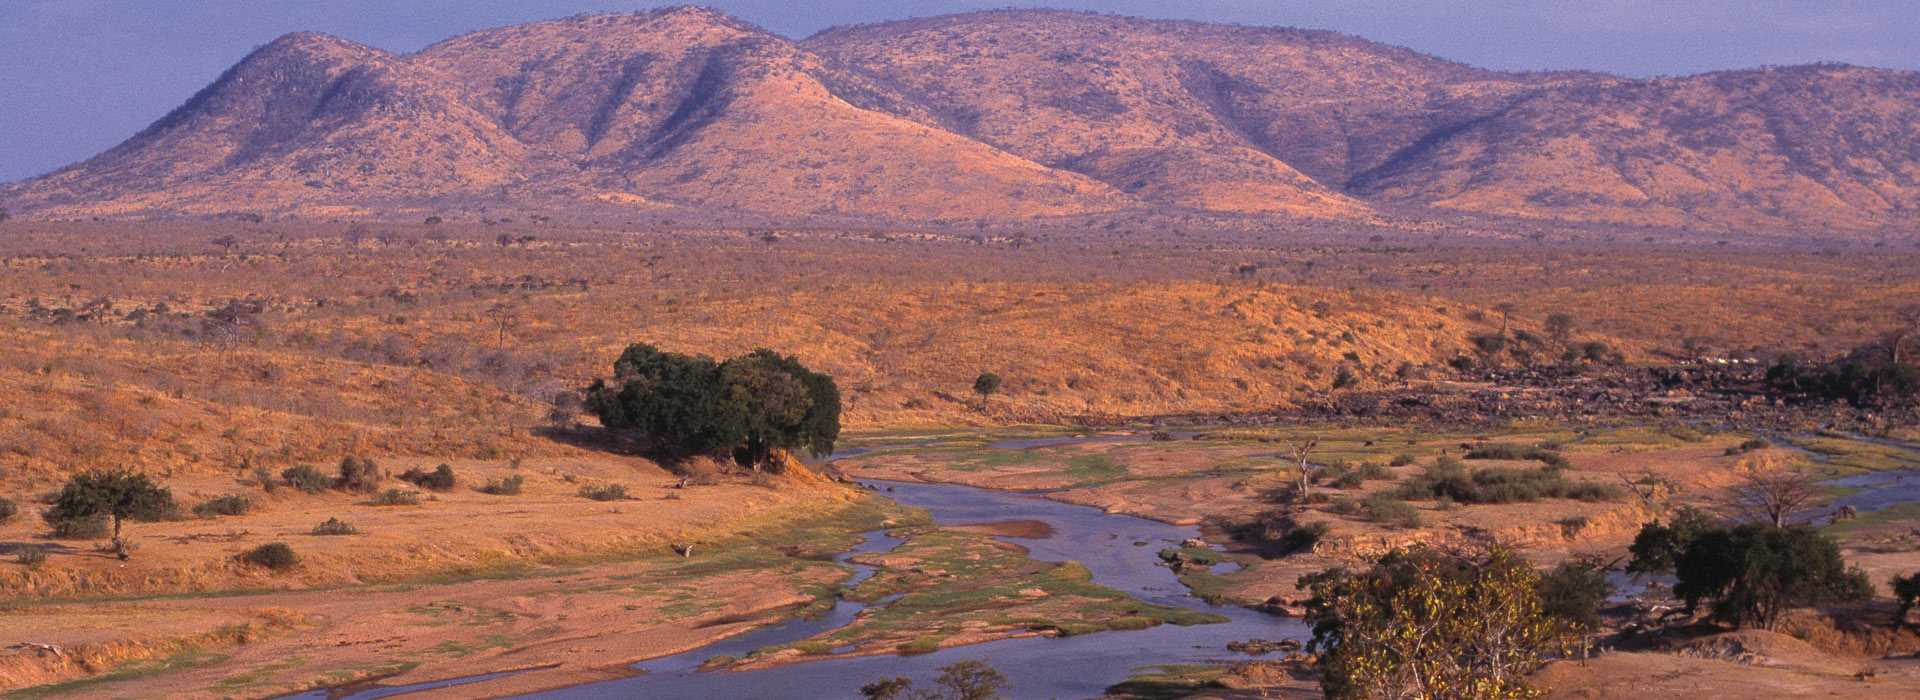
31, 556
7, 510
306, 478
265, 479
1375, 471
335, 526
509, 486
1421, 620
1348, 480
1275, 533
1574, 591
1906, 592
276, 556
359, 474
608, 492
1749, 446
986, 384
440, 479
395, 497
1303, 538
1386, 510
224, 505
1402, 459
1449, 478
1553, 460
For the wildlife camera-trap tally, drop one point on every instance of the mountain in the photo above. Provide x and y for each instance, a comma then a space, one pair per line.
1007, 114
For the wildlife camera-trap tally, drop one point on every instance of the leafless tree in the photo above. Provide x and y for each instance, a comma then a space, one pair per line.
1770, 491
1303, 450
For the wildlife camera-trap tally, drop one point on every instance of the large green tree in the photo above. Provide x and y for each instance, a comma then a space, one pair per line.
746, 407
1752, 573
1429, 624
119, 495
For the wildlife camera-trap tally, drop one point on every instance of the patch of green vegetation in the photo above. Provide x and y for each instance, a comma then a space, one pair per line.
1843, 455
941, 580
1169, 682
1095, 468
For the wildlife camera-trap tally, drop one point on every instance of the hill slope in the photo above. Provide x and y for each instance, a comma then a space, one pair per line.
1002, 114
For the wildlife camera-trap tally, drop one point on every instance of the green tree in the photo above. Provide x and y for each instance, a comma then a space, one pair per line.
987, 383
780, 404
747, 407
119, 495
1559, 327
1906, 591
1659, 545
1752, 573
1422, 623
1574, 591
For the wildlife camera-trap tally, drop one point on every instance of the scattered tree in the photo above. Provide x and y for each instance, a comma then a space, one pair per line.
967, 680
986, 384
118, 495
1302, 451
1906, 592
1559, 327
1770, 491
1423, 623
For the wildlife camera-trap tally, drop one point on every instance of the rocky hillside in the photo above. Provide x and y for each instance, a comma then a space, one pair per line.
1002, 115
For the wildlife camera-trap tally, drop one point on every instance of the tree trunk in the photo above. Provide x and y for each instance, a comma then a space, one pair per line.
119, 546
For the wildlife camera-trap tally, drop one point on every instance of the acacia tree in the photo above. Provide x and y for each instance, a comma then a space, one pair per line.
1770, 491
114, 494
1423, 623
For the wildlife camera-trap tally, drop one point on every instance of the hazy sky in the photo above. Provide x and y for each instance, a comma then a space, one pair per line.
77, 76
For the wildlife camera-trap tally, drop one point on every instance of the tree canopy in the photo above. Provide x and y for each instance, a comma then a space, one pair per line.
1423, 623
747, 407
119, 495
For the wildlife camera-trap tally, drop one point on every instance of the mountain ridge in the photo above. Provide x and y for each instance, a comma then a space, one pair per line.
1000, 114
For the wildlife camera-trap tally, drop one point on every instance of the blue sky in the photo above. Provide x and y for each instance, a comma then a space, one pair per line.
78, 76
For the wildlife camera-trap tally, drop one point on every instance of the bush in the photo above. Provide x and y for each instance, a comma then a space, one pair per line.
307, 479
1749, 446
1449, 478
265, 479
1375, 471
1906, 592
986, 384
1402, 459
31, 556
395, 497
1550, 458
7, 510
509, 486
609, 492
1574, 591
1275, 533
359, 475
1386, 510
335, 526
440, 479
276, 556
1421, 620
224, 505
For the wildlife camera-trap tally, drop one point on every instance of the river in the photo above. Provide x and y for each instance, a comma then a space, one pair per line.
1121, 551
